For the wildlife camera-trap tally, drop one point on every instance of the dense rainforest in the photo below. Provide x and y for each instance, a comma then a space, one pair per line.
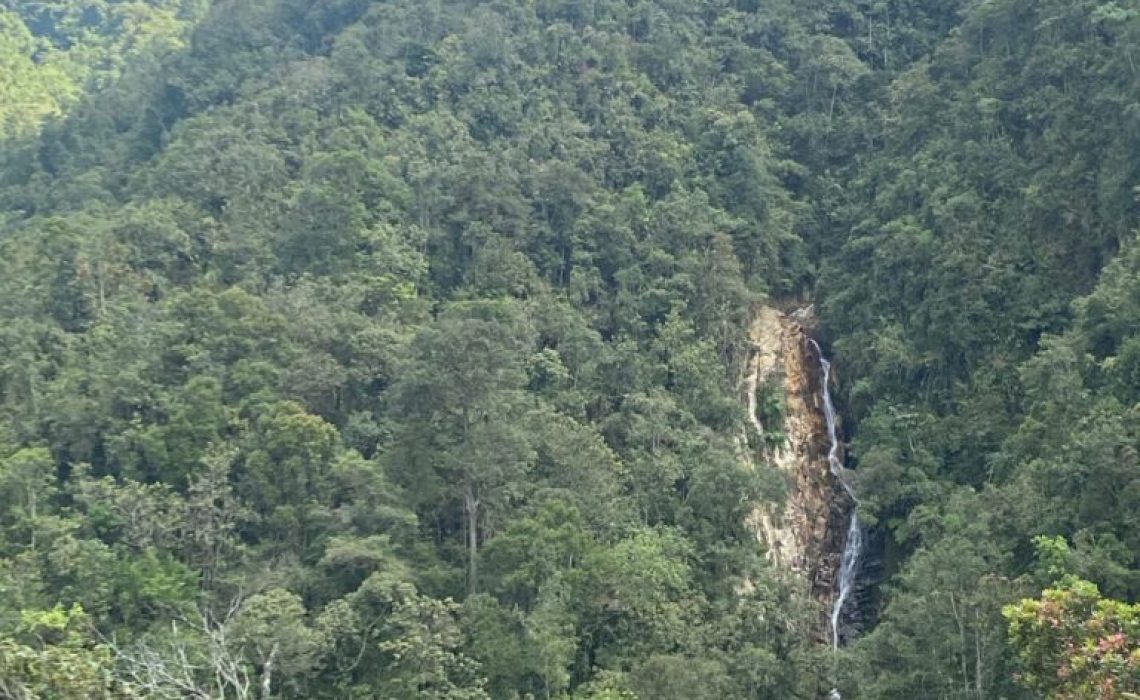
392, 348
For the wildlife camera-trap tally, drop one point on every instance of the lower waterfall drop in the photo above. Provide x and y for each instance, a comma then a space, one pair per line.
848, 567
849, 561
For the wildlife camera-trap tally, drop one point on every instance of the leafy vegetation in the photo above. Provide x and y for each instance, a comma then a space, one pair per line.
358, 349
1076, 644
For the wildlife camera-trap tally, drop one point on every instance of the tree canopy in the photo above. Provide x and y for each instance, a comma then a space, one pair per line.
356, 349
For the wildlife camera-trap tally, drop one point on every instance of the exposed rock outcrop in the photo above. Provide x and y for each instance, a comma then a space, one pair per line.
807, 534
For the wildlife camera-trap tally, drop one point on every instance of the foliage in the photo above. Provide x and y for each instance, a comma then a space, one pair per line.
56, 658
355, 349
52, 51
1075, 644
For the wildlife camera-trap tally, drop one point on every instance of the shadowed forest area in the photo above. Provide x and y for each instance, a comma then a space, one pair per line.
393, 349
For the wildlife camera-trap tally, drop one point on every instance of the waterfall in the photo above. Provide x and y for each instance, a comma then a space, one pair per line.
847, 570
848, 563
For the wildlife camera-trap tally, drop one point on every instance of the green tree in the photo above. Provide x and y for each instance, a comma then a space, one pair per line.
424, 646
1072, 643
54, 655
461, 402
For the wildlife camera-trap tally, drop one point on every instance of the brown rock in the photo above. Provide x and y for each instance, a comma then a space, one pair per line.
807, 534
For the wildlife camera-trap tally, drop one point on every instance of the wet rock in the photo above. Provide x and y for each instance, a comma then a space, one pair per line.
807, 534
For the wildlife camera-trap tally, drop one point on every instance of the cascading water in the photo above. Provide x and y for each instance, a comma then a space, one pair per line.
847, 569
848, 563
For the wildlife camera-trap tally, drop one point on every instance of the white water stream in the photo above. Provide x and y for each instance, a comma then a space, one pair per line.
849, 562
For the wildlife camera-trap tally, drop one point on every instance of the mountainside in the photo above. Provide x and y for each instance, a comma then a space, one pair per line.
356, 349
52, 51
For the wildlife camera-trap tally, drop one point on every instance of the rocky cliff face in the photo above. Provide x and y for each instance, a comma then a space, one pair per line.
782, 387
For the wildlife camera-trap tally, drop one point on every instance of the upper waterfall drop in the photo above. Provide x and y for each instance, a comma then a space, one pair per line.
849, 561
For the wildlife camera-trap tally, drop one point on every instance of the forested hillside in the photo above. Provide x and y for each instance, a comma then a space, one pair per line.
53, 51
358, 349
